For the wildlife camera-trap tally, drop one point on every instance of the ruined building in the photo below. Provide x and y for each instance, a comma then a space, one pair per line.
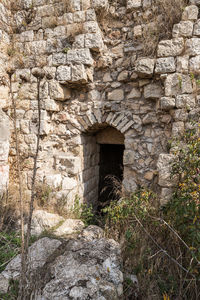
106, 106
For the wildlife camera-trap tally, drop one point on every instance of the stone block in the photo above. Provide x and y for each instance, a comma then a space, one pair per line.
194, 65
178, 84
184, 29
94, 41
82, 56
75, 5
64, 74
79, 74
182, 64
165, 65
180, 115
100, 4
164, 170
190, 13
153, 91
4, 175
167, 103
116, 95
79, 16
59, 92
177, 129
79, 41
91, 27
185, 101
172, 47
69, 183
193, 46
90, 15
27, 36
133, 4
134, 94
197, 28
144, 67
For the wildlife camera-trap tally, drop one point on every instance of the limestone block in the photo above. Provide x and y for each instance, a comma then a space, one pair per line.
100, 4
79, 74
27, 36
144, 67
165, 65
190, 13
36, 47
129, 185
90, 15
59, 92
180, 115
177, 129
172, 47
117, 95
43, 220
134, 94
193, 46
51, 105
59, 59
137, 31
164, 170
133, 4
185, 101
69, 226
75, 5
68, 18
79, 41
152, 91
4, 149
82, 56
64, 73
4, 284
184, 29
167, 103
4, 92
28, 91
70, 164
178, 84
150, 118
94, 41
182, 64
91, 27
69, 183
194, 65
79, 16
197, 28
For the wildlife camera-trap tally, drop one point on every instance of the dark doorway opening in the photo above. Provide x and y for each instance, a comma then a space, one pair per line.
110, 173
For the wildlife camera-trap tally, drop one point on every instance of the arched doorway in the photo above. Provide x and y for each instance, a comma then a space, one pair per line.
103, 150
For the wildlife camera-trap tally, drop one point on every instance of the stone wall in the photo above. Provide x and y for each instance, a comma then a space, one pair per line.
5, 17
96, 76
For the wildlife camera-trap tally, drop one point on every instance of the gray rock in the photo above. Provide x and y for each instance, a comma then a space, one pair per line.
193, 46
38, 255
164, 170
172, 47
177, 84
190, 13
64, 74
165, 65
167, 103
144, 67
185, 101
194, 65
184, 29
152, 91
69, 226
43, 220
117, 95
82, 56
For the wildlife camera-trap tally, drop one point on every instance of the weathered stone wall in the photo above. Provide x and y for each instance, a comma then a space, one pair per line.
95, 77
5, 32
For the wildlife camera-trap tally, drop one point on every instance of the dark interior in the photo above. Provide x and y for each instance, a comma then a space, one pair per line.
110, 173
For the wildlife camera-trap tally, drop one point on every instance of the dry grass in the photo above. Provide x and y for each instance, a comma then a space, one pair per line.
165, 13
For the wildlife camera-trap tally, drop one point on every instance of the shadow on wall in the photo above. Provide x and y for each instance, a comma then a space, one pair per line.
102, 174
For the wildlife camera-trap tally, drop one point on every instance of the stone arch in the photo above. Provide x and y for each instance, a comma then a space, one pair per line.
91, 121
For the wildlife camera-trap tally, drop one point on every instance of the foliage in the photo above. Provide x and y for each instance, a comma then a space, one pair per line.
183, 211
83, 211
152, 249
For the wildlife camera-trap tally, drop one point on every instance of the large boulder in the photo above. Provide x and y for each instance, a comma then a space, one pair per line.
88, 267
